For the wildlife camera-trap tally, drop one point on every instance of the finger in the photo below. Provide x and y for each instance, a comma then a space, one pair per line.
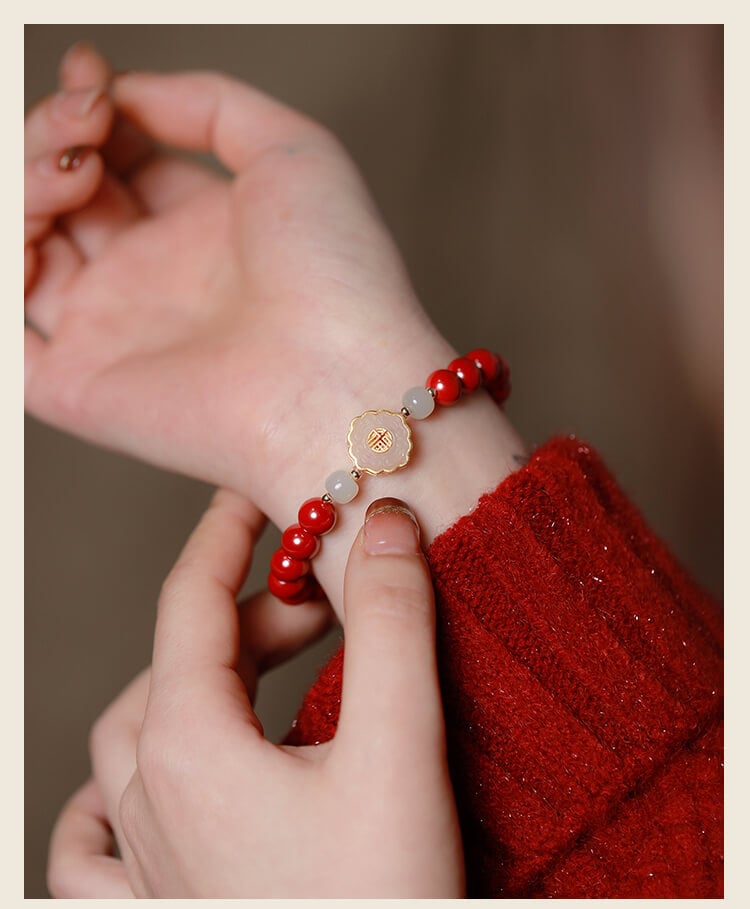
196, 642
210, 112
167, 180
112, 748
84, 114
67, 119
81, 859
390, 667
271, 633
113, 741
110, 212
57, 262
58, 183
116, 206
84, 66
198, 116
158, 180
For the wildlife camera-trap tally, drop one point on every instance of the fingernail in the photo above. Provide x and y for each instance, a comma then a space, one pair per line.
76, 105
73, 158
390, 528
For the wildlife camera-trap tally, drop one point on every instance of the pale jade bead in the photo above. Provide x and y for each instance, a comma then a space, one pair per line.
419, 402
341, 486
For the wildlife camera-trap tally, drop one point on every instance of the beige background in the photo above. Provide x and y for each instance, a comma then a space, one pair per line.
556, 192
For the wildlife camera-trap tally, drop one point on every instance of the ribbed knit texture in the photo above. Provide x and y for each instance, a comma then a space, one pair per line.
581, 671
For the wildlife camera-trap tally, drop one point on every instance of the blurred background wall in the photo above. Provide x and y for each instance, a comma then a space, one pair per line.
556, 193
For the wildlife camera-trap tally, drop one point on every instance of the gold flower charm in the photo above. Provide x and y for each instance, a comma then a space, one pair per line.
379, 441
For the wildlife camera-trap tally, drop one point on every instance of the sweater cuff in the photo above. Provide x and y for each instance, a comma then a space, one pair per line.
577, 659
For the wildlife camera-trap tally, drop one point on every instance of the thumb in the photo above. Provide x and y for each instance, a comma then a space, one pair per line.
391, 694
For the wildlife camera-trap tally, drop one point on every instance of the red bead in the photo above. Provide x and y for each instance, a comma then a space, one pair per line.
311, 591
487, 361
500, 387
447, 386
500, 392
286, 567
467, 371
286, 589
317, 516
300, 543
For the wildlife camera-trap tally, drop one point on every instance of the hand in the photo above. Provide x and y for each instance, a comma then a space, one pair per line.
202, 805
172, 307
190, 320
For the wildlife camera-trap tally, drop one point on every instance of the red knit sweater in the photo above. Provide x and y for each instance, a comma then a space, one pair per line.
581, 671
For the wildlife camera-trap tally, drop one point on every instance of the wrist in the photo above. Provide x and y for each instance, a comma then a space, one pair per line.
458, 453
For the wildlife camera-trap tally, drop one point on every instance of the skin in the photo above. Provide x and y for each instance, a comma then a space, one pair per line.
229, 328
202, 805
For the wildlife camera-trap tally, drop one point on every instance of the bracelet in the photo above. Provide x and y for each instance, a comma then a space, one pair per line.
379, 441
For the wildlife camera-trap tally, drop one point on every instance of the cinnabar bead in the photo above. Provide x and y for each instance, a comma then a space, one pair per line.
317, 516
311, 591
500, 391
286, 567
467, 371
286, 589
300, 543
446, 385
488, 363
